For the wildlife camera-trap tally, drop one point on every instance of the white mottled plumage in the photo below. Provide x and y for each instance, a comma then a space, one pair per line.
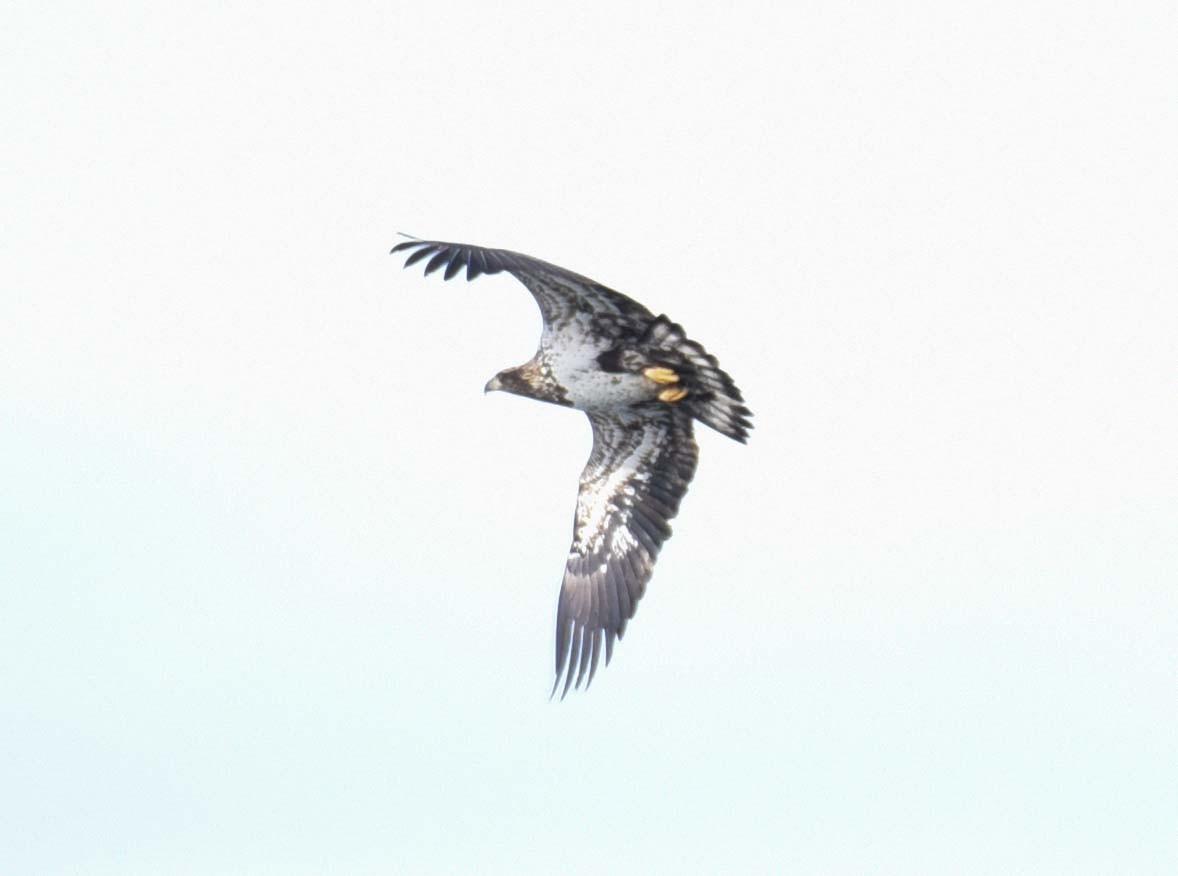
642, 383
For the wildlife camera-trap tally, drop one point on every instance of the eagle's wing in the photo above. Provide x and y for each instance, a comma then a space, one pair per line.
642, 461
561, 294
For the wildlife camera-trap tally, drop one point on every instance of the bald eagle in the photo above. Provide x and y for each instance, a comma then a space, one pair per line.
642, 383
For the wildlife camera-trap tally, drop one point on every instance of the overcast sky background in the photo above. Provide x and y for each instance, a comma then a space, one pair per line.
279, 582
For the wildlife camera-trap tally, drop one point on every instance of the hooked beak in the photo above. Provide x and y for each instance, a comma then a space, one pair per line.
492, 385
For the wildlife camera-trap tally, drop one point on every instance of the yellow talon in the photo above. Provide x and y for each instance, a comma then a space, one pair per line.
672, 393
661, 375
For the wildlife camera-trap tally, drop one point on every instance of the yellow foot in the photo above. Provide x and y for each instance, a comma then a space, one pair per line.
672, 393
661, 375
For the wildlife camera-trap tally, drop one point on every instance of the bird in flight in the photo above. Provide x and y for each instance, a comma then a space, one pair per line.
642, 382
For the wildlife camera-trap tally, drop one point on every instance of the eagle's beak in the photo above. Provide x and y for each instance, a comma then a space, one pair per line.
492, 384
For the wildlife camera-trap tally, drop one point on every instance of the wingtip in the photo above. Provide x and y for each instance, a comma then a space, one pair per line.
409, 241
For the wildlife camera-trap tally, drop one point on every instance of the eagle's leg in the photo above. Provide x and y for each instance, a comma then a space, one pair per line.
672, 394
659, 374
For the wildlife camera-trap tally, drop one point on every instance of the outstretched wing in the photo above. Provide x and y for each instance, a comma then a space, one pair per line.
642, 461
561, 294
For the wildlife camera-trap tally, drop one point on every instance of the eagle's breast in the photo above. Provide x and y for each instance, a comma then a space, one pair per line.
593, 389
589, 386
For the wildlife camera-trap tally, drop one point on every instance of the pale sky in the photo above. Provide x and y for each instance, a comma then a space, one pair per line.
278, 582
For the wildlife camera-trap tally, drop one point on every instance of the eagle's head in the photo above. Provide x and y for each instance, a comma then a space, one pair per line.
530, 380
509, 380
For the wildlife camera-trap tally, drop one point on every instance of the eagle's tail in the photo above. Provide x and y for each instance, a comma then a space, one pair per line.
712, 397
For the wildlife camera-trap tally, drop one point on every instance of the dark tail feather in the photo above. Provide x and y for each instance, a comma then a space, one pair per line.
713, 397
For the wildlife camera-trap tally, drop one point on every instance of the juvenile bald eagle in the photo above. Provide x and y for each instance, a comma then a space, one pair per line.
641, 382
